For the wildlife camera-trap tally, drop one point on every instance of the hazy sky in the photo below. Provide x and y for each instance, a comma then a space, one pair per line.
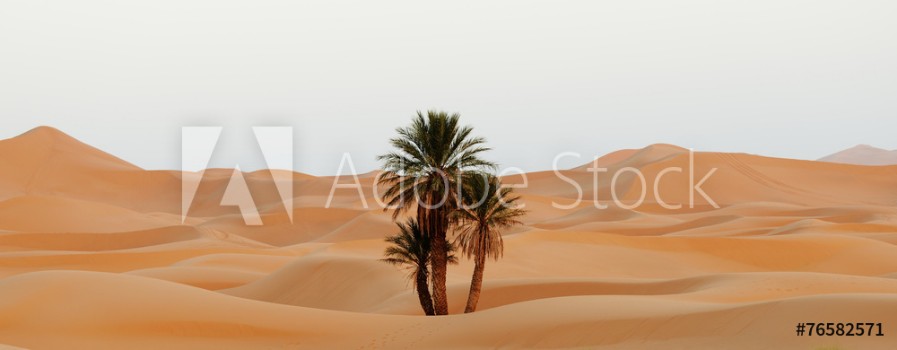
798, 79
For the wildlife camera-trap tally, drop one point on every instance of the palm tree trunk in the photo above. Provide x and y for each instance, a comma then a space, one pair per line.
423, 291
429, 219
476, 284
439, 258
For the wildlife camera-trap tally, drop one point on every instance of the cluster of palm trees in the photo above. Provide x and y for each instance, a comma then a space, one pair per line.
437, 169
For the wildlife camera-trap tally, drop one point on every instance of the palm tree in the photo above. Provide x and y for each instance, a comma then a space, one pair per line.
488, 208
411, 249
430, 157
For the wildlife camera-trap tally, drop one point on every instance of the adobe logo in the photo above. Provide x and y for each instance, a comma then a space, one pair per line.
197, 147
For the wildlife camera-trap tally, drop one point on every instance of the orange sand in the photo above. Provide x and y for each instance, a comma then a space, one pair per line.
93, 255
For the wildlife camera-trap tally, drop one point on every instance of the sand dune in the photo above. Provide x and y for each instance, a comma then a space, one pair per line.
863, 155
93, 254
203, 277
94, 241
158, 313
30, 213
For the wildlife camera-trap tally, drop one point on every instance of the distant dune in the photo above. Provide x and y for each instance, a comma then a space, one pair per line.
93, 254
863, 155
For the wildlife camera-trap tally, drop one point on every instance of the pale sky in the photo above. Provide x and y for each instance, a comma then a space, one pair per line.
796, 79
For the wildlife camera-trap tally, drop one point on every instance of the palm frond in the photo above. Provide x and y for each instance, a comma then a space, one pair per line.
409, 249
488, 209
429, 157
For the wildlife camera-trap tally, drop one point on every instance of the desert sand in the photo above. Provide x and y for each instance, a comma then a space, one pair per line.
863, 155
93, 254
